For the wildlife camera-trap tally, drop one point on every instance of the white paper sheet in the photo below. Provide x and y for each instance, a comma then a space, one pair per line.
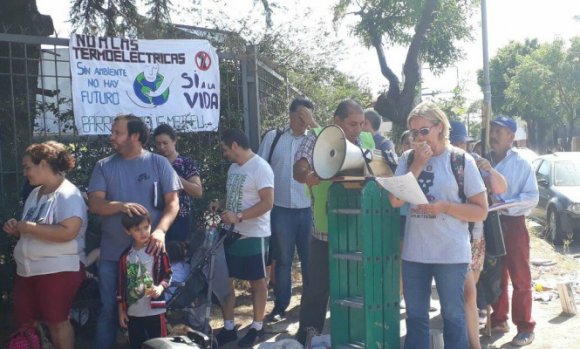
404, 187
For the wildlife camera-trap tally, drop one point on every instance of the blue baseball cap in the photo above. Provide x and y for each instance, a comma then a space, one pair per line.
458, 133
506, 122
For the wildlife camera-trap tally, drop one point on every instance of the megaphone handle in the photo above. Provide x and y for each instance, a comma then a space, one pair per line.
367, 162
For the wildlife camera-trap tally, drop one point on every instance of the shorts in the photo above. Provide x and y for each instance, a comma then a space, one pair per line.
46, 298
246, 258
477, 254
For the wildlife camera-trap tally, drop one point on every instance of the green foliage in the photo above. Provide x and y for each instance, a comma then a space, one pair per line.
545, 87
501, 71
395, 21
430, 29
454, 107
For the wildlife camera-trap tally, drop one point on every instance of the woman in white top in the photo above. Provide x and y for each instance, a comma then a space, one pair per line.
50, 251
436, 240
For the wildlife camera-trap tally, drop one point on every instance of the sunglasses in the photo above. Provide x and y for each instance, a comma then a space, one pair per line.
422, 131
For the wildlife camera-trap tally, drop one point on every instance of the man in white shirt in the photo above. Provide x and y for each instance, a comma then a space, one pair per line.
250, 195
291, 216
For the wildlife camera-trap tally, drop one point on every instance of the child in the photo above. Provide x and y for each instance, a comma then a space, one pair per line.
142, 280
178, 253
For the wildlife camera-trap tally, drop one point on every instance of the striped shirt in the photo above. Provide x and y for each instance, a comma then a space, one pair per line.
288, 193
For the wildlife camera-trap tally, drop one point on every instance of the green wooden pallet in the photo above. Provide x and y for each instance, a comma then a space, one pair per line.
364, 266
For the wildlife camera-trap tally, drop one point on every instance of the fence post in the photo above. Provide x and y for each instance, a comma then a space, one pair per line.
251, 97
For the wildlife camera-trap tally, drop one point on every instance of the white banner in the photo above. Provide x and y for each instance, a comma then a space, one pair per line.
175, 82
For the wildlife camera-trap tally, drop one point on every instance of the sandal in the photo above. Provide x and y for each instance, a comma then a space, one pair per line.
523, 339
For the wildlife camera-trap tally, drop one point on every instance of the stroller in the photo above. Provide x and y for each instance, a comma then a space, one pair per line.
207, 280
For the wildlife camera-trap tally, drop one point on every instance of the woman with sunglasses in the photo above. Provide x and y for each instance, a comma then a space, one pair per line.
436, 240
187, 169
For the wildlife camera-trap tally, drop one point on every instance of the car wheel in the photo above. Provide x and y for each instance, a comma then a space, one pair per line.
554, 229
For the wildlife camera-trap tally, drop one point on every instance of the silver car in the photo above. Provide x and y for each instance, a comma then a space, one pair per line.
558, 177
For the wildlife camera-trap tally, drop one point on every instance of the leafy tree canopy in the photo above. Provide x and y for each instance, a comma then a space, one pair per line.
501, 71
430, 29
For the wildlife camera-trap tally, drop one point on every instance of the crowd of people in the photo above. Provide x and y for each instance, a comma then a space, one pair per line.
276, 205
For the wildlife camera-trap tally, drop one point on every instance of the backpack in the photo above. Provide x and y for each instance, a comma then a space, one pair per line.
27, 337
279, 132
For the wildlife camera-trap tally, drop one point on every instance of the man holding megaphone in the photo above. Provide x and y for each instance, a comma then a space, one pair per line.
349, 117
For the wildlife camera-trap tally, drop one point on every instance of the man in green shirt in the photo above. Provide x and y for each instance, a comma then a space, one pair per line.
350, 118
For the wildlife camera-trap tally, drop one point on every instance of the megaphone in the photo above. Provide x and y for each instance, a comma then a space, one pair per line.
333, 153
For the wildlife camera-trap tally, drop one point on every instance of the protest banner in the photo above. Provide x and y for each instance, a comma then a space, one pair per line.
176, 82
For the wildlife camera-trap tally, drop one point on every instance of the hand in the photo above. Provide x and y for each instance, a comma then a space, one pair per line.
484, 165
156, 242
435, 208
229, 217
312, 179
10, 227
423, 153
123, 319
131, 208
154, 291
307, 117
22, 227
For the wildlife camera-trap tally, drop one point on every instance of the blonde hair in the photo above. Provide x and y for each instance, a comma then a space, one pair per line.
431, 112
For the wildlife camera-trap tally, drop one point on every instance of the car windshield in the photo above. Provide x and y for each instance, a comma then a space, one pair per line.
566, 173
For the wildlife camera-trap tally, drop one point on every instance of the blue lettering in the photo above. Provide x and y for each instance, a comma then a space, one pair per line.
82, 70
98, 97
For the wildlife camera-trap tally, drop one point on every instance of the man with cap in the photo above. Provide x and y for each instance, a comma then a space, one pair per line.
523, 189
495, 183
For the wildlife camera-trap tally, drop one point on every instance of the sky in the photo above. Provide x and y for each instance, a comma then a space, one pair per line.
508, 20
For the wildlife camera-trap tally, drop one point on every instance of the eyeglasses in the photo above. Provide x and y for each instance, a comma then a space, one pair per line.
422, 131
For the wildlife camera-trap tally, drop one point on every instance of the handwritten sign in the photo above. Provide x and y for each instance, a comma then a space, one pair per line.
175, 82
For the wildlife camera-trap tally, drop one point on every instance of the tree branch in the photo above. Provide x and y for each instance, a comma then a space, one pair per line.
376, 40
412, 67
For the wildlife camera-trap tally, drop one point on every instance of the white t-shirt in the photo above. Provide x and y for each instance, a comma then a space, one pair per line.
140, 277
243, 186
442, 238
40, 257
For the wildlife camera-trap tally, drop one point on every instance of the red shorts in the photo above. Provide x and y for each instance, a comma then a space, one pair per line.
47, 298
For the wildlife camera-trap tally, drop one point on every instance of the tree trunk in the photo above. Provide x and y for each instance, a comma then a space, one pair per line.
395, 105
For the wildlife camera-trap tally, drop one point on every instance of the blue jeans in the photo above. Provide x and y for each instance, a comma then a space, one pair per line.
290, 227
449, 280
108, 322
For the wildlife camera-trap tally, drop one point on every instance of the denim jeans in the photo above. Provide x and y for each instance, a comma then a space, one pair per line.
108, 322
290, 227
449, 280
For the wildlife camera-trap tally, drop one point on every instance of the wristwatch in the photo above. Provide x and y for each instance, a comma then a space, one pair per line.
239, 216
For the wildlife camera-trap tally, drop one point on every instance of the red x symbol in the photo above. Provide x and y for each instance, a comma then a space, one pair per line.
203, 60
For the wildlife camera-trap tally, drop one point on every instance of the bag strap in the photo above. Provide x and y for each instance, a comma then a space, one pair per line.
279, 132
458, 168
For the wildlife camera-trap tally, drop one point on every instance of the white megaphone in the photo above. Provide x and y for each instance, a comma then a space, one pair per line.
333, 153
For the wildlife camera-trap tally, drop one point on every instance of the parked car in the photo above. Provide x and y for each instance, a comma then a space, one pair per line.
558, 177
527, 153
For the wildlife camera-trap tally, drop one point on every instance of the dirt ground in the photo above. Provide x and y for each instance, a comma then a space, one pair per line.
550, 265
